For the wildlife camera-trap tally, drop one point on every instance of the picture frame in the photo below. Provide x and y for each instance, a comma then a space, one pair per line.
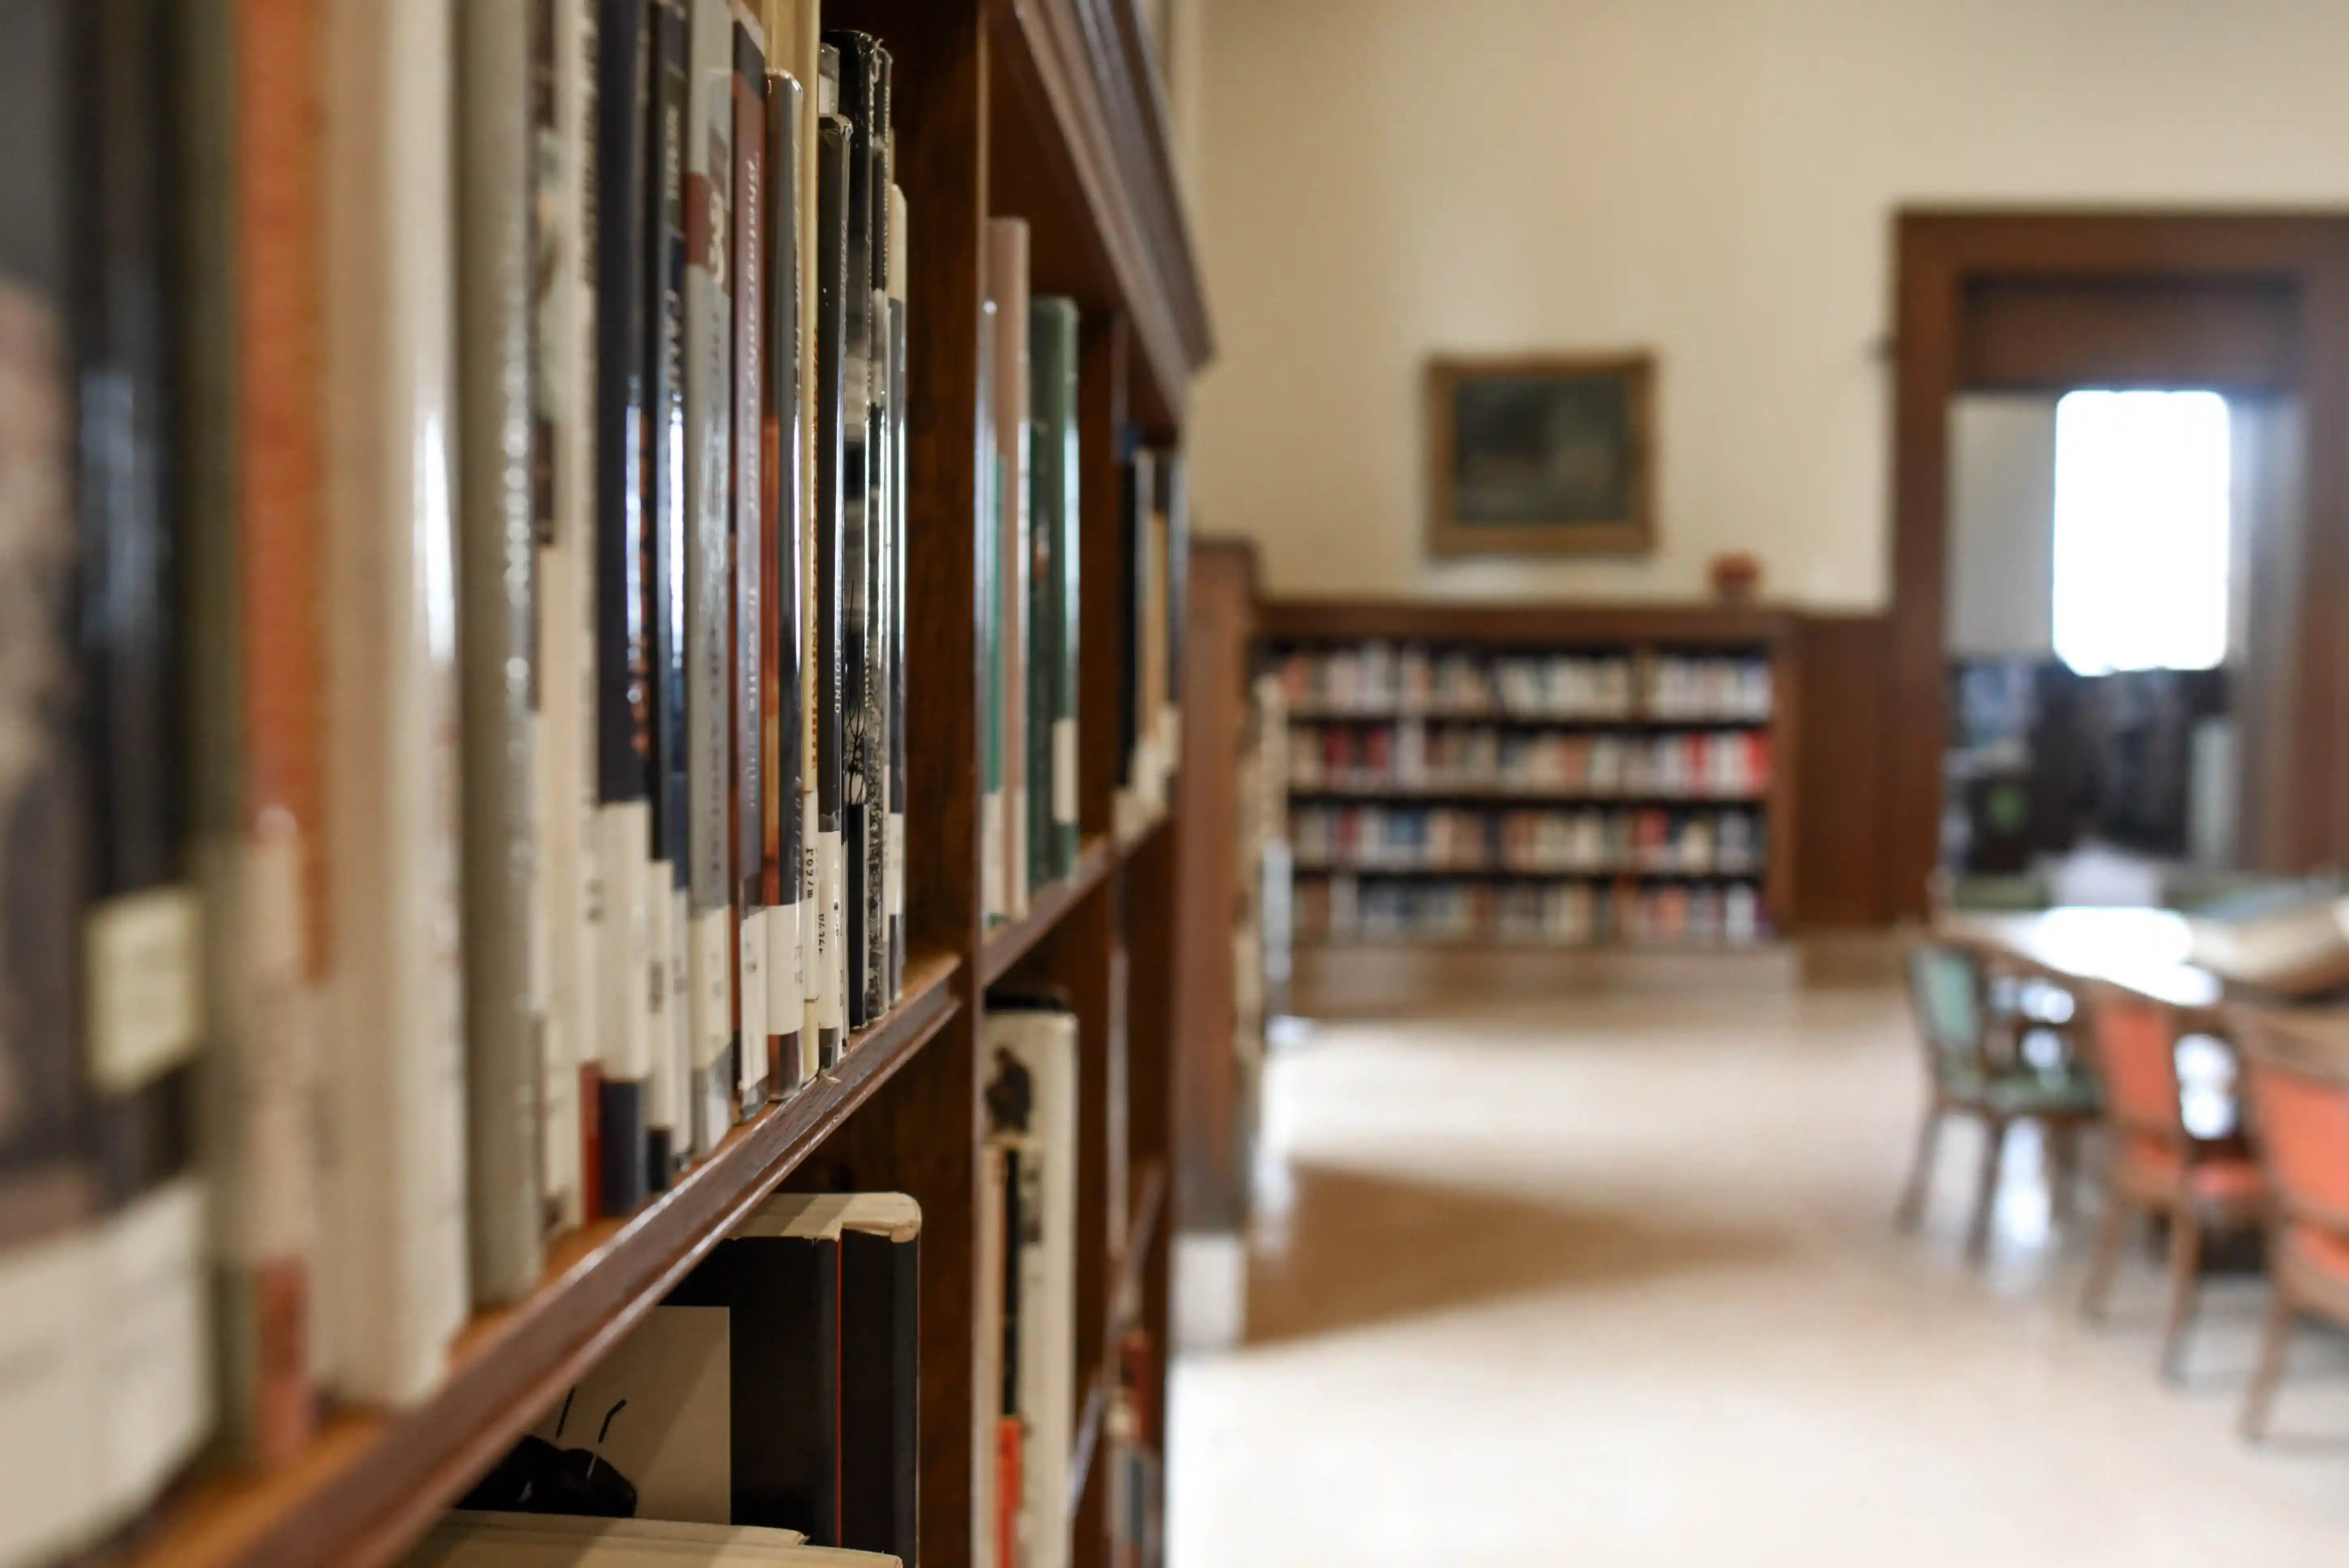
1541, 454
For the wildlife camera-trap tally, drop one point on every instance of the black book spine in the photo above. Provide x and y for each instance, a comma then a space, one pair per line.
859, 84
900, 496
753, 670
1174, 501
667, 1131
1133, 707
880, 1371
784, 479
623, 651
830, 459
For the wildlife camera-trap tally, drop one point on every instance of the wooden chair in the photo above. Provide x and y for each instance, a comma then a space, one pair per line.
2154, 1166
1972, 1070
2303, 1120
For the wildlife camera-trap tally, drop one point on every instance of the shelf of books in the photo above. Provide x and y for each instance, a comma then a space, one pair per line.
589, 709
1500, 776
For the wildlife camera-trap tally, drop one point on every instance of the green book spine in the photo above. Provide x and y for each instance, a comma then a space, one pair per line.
1053, 350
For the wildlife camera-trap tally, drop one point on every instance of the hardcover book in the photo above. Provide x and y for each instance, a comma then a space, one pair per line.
831, 263
786, 604
1052, 592
753, 552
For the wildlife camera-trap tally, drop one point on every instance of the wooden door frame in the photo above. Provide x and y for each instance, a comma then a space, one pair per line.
1938, 251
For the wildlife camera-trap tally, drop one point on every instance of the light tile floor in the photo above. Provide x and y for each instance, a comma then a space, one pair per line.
1615, 1283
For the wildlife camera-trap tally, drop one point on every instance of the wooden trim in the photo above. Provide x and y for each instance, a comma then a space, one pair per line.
373, 1483
1447, 536
1940, 254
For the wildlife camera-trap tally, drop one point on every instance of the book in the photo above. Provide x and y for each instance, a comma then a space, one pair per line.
986, 558
1006, 285
779, 1385
669, 1113
562, 497
1136, 492
783, 507
52, 1498
633, 968
1030, 1103
139, 919
586, 1531
1052, 591
1174, 504
895, 588
826, 642
504, 1010
709, 577
394, 1268
470, 1539
754, 800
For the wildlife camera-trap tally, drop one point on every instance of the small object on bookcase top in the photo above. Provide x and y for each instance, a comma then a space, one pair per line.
1736, 576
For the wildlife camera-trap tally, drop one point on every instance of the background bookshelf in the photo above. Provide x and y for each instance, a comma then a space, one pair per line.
1482, 778
1049, 110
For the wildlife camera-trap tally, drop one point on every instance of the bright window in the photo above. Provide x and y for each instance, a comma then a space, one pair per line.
2141, 516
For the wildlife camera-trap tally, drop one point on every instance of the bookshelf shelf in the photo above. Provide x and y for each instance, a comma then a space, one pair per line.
1472, 872
1494, 795
1008, 942
373, 1481
1507, 719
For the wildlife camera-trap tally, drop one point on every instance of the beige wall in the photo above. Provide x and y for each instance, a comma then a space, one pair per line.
1713, 178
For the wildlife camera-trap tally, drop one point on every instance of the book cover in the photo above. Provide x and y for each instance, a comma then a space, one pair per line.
1006, 285
1133, 507
901, 495
986, 554
754, 800
669, 1113
709, 584
504, 1016
831, 263
1052, 671
632, 972
783, 502
1174, 503
394, 1264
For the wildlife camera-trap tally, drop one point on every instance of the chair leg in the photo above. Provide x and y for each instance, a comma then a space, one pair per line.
2064, 1172
2185, 1278
2112, 1239
1920, 1171
1986, 1189
2275, 1339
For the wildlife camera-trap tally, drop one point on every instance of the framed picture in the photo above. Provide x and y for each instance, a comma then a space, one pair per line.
1541, 455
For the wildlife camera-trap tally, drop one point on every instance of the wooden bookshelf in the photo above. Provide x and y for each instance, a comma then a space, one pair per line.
1639, 636
1049, 110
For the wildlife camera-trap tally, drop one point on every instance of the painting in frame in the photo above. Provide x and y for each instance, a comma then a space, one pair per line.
1541, 454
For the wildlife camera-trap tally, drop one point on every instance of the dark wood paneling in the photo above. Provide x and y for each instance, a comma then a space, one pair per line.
2042, 334
1841, 665
1216, 657
1941, 256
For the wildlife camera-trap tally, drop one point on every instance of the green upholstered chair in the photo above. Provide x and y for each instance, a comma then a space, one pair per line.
1973, 1068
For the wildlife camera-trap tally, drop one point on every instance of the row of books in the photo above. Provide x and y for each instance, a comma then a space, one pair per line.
1407, 755
453, 476
775, 1392
1467, 839
1340, 910
476, 1538
1383, 677
1029, 602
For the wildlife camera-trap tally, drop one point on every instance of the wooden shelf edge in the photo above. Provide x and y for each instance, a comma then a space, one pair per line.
1523, 874
1506, 719
374, 1482
1767, 945
1420, 620
1010, 941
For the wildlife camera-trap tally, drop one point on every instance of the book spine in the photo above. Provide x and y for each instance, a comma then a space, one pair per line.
1132, 506
900, 495
709, 563
393, 1281
1149, 695
578, 67
630, 971
831, 410
753, 798
986, 554
670, 1129
504, 1019
820, 91
782, 501
1174, 501
1053, 740
1006, 267
562, 654
265, 878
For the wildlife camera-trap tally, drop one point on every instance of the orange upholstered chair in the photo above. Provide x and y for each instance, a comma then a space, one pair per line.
2304, 1117
2154, 1166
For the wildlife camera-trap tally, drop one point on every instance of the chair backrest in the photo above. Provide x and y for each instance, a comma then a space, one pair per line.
2303, 1120
1945, 988
2136, 1055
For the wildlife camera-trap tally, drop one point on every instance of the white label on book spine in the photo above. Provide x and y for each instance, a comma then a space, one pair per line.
155, 1366
142, 994
990, 856
832, 978
270, 1217
624, 966
1014, 864
1064, 772
752, 1066
713, 989
811, 899
895, 891
661, 1002
680, 1015
48, 1409
786, 967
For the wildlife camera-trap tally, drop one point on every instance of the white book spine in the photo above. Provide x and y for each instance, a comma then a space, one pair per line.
662, 1094
991, 903
395, 1274
680, 1022
835, 936
751, 1080
813, 950
713, 1025
786, 981
625, 970
50, 1491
